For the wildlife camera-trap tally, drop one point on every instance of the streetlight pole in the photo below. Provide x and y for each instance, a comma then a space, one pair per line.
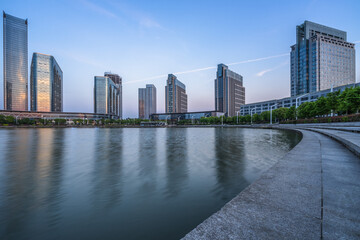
252, 114
271, 107
237, 117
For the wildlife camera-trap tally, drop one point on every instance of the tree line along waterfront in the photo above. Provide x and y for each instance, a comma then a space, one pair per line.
334, 107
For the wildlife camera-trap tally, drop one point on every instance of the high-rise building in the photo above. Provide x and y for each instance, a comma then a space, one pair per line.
175, 95
106, 96
321, 58
15, 52
118, 82
46, 84
147, 101
229, 91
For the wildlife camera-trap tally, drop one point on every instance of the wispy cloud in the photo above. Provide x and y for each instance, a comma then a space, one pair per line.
96, 8
357, 42
148, 22
259, 59
211, 67
260, 74
78, 57
141, 18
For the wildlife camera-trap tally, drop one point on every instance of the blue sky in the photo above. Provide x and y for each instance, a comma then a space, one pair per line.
143, 41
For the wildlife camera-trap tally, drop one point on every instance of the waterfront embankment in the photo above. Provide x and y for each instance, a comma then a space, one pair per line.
312, 192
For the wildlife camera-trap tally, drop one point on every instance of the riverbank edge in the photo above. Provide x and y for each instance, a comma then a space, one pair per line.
249, 224
266, 126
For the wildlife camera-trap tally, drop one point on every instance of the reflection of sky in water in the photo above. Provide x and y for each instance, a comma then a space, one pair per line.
136, 183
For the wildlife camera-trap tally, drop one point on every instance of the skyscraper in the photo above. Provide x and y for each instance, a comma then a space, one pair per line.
106, 96
118, 82
147, 101
320, 59
229, 91
46, 84
175, 95
15, 63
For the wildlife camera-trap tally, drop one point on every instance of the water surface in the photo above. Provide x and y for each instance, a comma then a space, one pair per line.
132, 183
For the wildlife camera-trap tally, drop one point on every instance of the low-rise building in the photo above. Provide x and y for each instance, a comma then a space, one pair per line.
288, 102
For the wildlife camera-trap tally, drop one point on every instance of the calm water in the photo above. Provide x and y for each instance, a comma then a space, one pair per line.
126, 183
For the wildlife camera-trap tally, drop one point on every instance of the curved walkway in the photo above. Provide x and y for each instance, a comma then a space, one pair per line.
351, 140
311, 193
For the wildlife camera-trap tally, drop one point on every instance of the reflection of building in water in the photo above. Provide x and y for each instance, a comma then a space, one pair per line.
55, 160
176, 160
147, 160
15, 197
107, 173
33, 179
230, 164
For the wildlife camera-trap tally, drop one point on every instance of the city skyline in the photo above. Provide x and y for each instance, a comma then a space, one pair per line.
199, 61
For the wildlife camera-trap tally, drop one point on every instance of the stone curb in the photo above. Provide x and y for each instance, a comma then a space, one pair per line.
349, 145
340, 129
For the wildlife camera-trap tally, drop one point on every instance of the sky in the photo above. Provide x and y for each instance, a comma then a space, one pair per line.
143, 41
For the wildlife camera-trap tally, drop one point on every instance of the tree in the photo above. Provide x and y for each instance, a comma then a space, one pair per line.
247, 118
307, 110
9, 119
265, 116
60, 121
351, 100
280, 113
291, 113
26, 121
332, 101
256, 118
2, 119
228, 120
321, 107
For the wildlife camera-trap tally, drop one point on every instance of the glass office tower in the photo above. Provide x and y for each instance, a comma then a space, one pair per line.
147, 101
118, 82
106, 96
46, 84
15, 35
320, 59
175, 95
229, 91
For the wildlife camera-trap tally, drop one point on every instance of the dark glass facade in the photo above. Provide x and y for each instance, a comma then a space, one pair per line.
15, 50
46, 84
